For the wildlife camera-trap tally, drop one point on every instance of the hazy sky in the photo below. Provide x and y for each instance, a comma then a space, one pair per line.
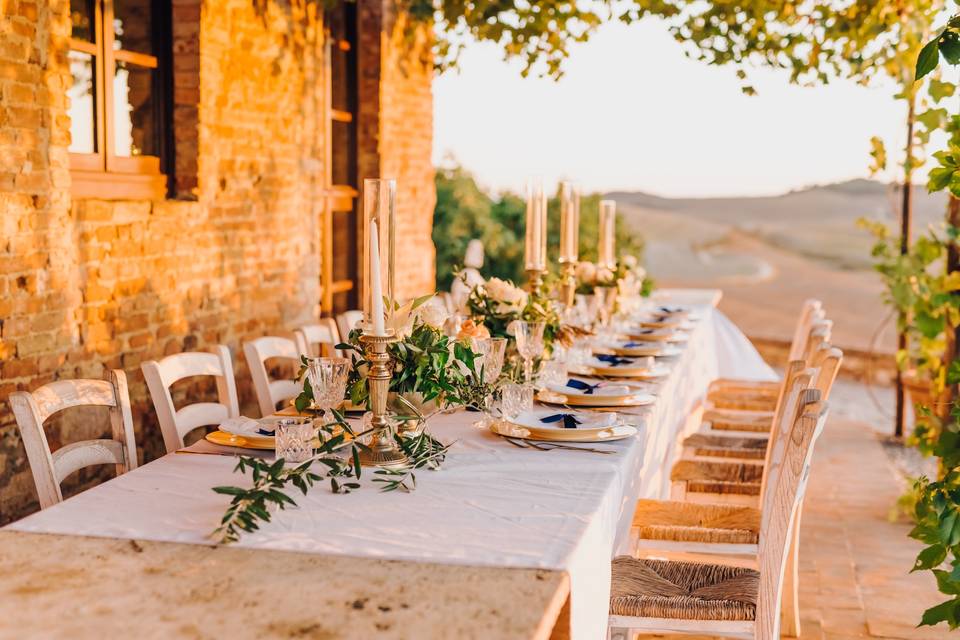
632, 112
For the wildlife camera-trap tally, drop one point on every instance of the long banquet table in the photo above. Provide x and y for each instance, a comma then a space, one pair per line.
492, 504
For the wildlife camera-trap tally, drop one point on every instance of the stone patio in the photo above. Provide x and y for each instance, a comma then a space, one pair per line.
854, 560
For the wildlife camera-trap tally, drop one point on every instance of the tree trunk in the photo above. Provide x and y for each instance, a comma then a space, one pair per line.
906, 221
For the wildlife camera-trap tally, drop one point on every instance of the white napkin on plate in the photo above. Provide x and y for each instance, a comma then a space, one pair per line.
243, 426
587, 420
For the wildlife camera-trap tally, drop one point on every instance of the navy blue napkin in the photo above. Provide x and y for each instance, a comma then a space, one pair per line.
265, 432
570, 421
613, 361
580, 385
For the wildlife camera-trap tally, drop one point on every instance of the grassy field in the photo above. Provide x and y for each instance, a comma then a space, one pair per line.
770, 253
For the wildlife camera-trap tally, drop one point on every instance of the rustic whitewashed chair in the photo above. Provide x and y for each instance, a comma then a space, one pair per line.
729, 437
758, 408
810, 312
174, 423
706, 479
49, 469
348, 321
668, 596
270, 392
320, 339
725, 522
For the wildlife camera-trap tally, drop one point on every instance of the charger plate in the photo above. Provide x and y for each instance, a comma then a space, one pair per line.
606, 434
574, 400
246, 442
655, 349
652, 336
658, 371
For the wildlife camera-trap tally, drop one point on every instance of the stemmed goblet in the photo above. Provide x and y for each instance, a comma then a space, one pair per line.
328, 380
529, 336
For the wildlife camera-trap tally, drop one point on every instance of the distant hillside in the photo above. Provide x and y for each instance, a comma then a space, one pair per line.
818, 222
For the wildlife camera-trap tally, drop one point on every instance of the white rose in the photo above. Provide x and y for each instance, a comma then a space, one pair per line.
508, 297
640, 273
434, 315
586, 272
629, 261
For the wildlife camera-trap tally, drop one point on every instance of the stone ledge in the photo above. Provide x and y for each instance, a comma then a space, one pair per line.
80, 587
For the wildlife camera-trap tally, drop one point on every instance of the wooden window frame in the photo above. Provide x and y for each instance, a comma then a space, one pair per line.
104, 174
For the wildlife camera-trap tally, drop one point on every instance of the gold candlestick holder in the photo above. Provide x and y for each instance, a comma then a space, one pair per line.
534, 279
383, 450
568, 283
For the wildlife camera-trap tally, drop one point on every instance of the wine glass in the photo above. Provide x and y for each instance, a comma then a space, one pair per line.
493, 362
328, 379
529, 336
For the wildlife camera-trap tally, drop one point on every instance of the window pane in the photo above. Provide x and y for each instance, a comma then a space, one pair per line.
135, 130
131, 25
81, 17
83, 129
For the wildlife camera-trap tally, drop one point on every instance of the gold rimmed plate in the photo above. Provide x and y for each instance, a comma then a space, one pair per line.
654, 373
650, 335
246, 442
598, 400
605, 434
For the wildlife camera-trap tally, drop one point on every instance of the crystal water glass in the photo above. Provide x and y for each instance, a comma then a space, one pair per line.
552, 372
493, 362
328, 380
515, 399
529, 336
294, 440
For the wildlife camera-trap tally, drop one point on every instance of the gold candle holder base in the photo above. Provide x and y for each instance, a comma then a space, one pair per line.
534, 279
383, 450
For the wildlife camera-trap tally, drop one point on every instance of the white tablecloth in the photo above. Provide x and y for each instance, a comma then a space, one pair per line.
491, 504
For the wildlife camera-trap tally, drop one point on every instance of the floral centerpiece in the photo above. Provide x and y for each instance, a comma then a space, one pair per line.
428, 366
628, 276
494, 305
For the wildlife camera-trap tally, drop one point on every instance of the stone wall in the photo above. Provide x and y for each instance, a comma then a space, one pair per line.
87, 285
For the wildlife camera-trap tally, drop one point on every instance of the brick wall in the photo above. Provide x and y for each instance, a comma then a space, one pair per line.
87, 285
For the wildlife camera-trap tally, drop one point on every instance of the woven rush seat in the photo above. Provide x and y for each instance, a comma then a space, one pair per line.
705, 444
689, 522
682, 590
721, 470
722, 487
731, 420
743, 402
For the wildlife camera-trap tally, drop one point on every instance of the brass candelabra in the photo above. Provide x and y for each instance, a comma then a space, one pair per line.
568, 283
383, 450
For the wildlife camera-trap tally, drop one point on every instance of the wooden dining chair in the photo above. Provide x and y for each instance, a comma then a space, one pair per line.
32, 409
810, 312
320, 339
671, 596
176, 423
348, 321
270, 392
760, 401
727, 479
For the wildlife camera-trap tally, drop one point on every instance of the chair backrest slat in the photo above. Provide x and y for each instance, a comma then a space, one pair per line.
320, 339
160, 375
808, 312
77, 455
347, 321
780, 509
49, 469
270, 392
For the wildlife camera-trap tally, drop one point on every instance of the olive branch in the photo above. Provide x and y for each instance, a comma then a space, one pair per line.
250, 507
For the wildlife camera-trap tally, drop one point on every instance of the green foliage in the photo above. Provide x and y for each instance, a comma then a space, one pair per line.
464, 212
250, 507
538, 34
937, 516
